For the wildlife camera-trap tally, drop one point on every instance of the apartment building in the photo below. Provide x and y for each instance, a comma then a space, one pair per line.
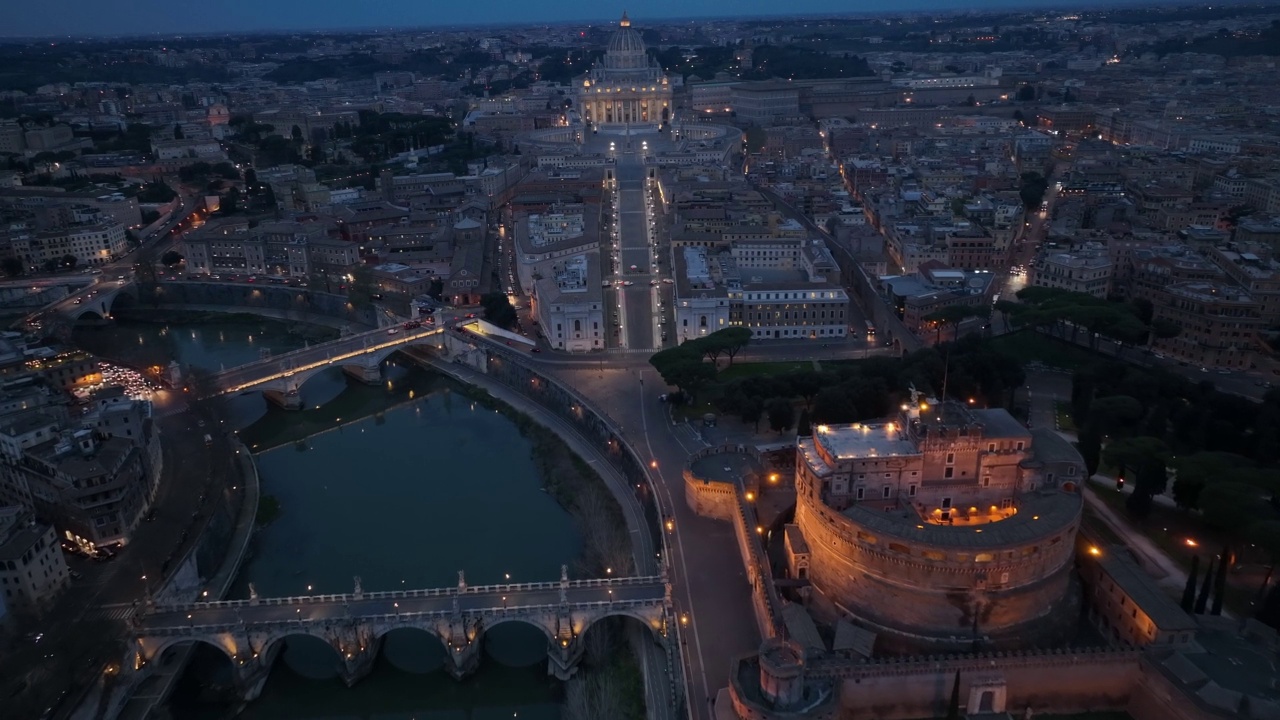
32, 567
1220, 323
1088, 272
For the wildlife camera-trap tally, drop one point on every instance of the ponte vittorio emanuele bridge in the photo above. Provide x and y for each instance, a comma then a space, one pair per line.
360, 355
251, 631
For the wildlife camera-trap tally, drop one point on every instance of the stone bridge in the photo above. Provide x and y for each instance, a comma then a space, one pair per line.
354, 624
360, 355
96, 299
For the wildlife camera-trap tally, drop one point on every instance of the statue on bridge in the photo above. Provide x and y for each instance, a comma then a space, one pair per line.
462, 582
359, 588
564, 584
253, 594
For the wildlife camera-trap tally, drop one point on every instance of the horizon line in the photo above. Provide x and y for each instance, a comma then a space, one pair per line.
925, 8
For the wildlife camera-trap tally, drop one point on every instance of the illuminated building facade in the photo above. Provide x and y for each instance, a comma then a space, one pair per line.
945, 526
626, 86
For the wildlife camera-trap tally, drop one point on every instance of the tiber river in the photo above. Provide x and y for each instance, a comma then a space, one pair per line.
403, 497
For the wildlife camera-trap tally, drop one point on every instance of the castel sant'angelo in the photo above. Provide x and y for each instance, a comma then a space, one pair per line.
943, 527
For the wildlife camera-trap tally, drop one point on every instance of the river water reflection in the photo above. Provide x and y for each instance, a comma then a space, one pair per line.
415, 483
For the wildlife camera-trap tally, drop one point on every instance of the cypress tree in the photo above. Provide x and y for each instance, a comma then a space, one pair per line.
804, 427
1189, 591
1220, 581
1203, 598
953, 709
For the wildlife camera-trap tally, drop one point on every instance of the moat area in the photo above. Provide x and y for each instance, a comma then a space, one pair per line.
403, 484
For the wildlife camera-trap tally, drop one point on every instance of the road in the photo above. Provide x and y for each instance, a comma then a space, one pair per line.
636, 302
435, 602
711, 591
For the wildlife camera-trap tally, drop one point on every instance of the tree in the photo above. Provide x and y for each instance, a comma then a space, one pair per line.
360, 291
804, 428
808, 383
683, 368
296, 134
1189, 590
1202, 600
1026, 93
1032, 190
1197, 471
734, 340
1265, 535
68, 261
171, 258
750, 411
177, 131
229, 204
1090, 447
953, 707
1231, 506
781, 414
498, 310
1114, 415
1220, 581
11, 266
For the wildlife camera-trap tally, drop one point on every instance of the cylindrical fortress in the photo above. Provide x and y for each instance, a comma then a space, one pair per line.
936, 582
982, 554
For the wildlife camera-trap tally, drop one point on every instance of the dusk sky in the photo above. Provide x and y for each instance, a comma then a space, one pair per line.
116, 17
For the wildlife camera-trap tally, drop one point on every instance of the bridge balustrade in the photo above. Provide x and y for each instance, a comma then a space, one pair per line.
405, 594
214, 628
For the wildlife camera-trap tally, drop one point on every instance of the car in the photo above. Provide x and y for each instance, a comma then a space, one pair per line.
653, 283
393, 331
535, 350
412, 324
668, 281
1204, 369
1224, 371
634, 268
471, 316
76, 301
627, 283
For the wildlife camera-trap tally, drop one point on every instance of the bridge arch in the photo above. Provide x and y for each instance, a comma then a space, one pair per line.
328, 664
413, 648
522, 619
655, 622
150, 651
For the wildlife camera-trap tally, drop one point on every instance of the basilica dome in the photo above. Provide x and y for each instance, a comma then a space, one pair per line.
626, 48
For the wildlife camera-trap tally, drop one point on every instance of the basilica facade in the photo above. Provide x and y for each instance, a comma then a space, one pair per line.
626, 86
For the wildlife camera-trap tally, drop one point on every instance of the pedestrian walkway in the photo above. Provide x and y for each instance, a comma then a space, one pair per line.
114, 611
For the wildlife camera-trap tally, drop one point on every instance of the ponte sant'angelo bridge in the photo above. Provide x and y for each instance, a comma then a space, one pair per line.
360, 355
354, 624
